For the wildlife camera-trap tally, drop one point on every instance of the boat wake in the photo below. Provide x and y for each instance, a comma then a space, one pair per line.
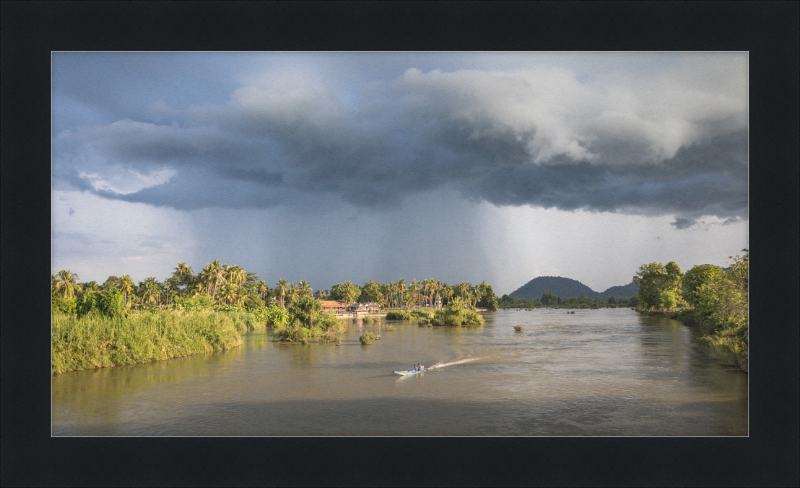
436, 366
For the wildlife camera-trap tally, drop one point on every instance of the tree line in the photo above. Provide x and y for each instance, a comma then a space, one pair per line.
549, 299
224, 286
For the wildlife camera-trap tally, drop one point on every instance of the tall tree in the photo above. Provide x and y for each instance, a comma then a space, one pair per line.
415, 286
282, 287
304, 289
66, 284
182, 274
699, 275
126, 286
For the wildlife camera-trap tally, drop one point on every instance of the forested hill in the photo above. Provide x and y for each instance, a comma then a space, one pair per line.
566, 288
629, 290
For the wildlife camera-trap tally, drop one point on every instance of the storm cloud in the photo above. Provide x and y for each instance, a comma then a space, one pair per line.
672, 142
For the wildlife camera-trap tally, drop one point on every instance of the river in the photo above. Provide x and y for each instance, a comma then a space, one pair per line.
606, 372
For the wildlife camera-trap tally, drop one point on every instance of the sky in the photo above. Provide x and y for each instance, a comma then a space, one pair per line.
328, 166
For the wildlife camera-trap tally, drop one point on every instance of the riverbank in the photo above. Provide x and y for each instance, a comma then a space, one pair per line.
728, 345
98, 342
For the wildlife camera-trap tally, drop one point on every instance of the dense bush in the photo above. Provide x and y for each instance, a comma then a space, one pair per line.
367, 338
98, 341
518, 328
399, 315
62, 306
456, 314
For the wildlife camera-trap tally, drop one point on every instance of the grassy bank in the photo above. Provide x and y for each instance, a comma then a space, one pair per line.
95, 341
726, 342
411, 314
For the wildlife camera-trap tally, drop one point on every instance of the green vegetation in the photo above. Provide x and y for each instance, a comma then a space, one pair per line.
391, 327
93, 341
706, 296
368, 320
551, 300
456, 314
113, 323
413, 314
367, 338
518, 328
306, 321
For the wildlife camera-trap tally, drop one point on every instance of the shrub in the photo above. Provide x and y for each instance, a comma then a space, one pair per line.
62, 306
329, 337
276, 315
422, 313
518, 328
368, 337
99, 341
368, 320
391, 327
398, 315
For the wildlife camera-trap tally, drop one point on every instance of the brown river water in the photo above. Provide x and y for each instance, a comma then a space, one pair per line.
606, 372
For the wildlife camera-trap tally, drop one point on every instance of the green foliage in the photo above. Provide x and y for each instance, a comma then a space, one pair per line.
370, 292
367, 319
111, 303
658, 283
421, 313
253, 302
295, 332
328, 338
456, 314
548, 299
304, 310
698, 276
399, 315
62, 306
668, 299
99, 341
367, 338
86, 304
276, 315
518, 328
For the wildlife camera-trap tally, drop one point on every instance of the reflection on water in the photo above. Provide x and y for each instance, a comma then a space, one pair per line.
597, 372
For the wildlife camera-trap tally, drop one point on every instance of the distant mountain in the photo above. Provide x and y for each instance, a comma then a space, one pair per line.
566, 288
629, 290
562, 287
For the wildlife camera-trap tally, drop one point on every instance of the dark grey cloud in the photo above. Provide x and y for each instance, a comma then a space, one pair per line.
538, 138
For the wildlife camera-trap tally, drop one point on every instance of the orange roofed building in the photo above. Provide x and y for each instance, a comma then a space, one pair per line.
335, 306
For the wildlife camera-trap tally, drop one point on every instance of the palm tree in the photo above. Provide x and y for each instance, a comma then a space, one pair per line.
304, 289
415, 286
150, 288
478, 292
447, 292
235, 274
67, 284
227, 292
217, 276
401, 290
90, 286
262, 289
352, 293
282, 286
182, 274
205, 277
125, 285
